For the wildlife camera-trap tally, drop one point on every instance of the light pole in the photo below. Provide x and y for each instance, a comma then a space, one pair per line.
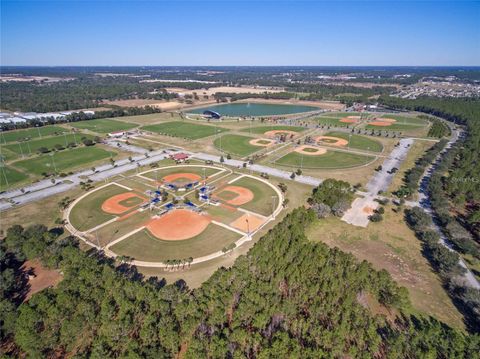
65, 136
20, 145
2, 164
38, 129
74, 137
53, 161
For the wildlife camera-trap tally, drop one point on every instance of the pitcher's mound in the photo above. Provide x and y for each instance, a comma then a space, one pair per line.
178, 224
310, 150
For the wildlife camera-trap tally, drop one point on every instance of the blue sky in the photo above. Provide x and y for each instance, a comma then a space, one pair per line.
240, 33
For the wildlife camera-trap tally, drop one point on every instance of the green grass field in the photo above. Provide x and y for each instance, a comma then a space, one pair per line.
31, 147
144, 246
331, 160
10, 176
262, 202
65, 160
332, 121
342, 114
183, 129
263, 129
88, 212
103, 125
409, 120
236, 145
358, 141
11, 136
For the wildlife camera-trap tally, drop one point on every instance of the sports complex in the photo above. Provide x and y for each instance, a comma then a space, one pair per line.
190, 213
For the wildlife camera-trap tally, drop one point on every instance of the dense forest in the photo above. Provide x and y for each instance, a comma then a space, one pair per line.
461, 180
288, 297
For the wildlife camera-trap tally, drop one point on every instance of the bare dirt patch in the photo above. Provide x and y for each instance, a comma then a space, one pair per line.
40, 277
121, 203
247, 222
181, 178
243, 195
310, 150
178, 225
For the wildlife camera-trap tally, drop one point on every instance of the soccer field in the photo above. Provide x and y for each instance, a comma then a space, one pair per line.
65, 160
183, 129
18, 135
103, 125
236, 145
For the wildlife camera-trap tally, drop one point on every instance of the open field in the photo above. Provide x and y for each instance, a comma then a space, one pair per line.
11, 136
88, 212
10, 176
236, 145
182, 129
263, 129
331, 159
30, 147
143, 246
357, 141
391, 245
65, 160
103, 125
148, 119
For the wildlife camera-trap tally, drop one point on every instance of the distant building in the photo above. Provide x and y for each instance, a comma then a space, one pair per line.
179, 157
212, 114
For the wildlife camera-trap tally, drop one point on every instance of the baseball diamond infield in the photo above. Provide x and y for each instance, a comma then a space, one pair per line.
264, 142
383, 122
122, 202
332, 141
275, 133
178, 224
351, 119
241, 195
181, 178
310, 150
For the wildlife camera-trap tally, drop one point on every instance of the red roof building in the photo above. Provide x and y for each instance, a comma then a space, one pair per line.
179, 157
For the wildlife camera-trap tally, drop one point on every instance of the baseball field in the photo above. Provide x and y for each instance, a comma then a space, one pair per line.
194, 212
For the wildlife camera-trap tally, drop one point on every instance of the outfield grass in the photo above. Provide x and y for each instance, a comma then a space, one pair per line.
341, 115
395, 127
263, 129
183, 129
103, 125
143, 246
88, 212
358, 141
65, 160
10, 175
262, 202
31, 147
11, 136
331, 160
236, 145
415, 121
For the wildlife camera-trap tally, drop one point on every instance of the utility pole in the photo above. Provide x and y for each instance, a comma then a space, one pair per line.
38, 129
2, 164
21, 151
53, 161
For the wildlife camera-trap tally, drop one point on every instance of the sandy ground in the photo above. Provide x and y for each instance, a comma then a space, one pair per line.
350, 119
43, 277
171, 226
247, 223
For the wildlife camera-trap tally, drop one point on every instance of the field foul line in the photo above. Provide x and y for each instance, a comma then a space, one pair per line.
124, 237
229, 228
145, 178
236, 179
123, 186
253, 213
102, 225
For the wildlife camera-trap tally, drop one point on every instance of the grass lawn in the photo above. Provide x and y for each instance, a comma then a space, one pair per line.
358, 142
331, 159
184, 129
10, 175
341, 115
262, 201
162, 172
143, 246
236, 145
263, 129
407, 120
392, 246
65, 160
88, 212
103, 125
31, 147
11, 136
